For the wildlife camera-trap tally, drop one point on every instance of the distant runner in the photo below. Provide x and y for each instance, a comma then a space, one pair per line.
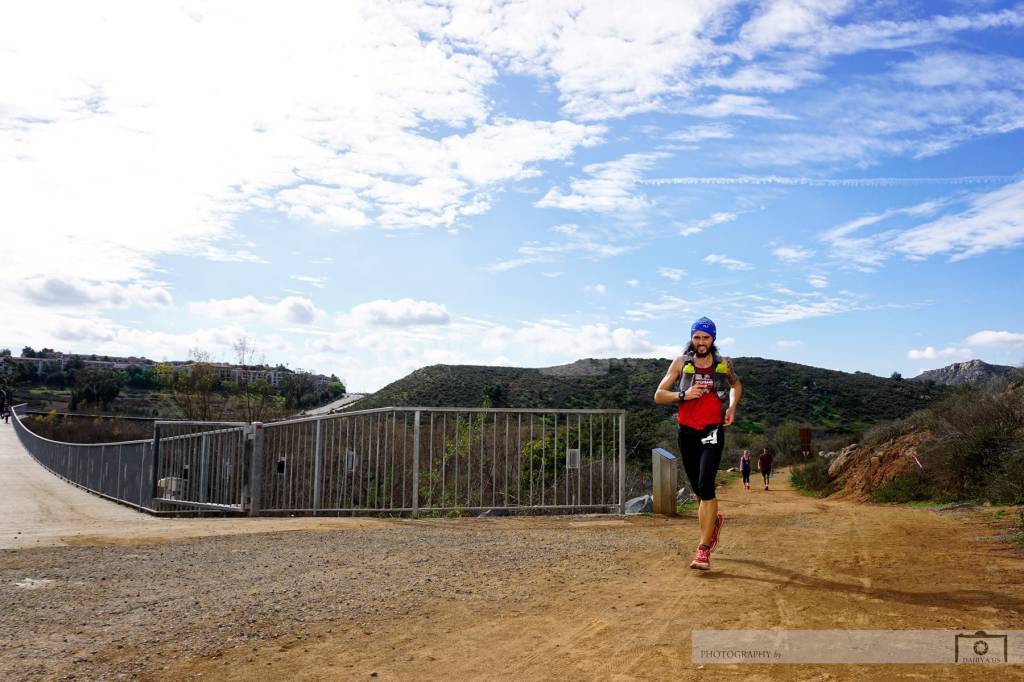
700, 381
745, 468
764, 465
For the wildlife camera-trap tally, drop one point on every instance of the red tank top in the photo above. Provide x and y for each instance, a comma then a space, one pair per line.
705, 410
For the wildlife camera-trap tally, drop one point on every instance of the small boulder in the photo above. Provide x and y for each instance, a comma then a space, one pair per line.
640, 505
841, 459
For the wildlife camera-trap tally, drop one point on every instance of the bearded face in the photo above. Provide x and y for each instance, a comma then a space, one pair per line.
701, 344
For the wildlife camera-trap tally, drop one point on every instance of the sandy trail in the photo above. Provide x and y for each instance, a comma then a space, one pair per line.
516, 598
786, 561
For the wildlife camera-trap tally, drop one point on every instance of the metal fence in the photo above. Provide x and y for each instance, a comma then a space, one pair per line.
416, 460
118, 471
202, 465
389, 460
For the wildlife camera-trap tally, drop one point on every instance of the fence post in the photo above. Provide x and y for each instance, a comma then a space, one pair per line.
204, 464
664, 475
622, 462
154, 477
318, 466
255, 440
416, 465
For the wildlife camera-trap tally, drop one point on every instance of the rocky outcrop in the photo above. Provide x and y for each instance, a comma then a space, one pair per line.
840, 459
975, 372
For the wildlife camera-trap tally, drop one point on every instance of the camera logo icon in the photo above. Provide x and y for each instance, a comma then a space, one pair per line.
981, 647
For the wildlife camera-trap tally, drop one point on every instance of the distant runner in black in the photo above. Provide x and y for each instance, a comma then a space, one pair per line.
764, 465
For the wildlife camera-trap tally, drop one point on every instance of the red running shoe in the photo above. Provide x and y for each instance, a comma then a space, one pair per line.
719, 520
702, 561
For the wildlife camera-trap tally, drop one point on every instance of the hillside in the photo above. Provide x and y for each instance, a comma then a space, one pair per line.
773, 391
974, 372
965, 446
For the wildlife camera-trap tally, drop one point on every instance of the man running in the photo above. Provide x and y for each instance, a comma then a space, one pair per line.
764, 465
700, 381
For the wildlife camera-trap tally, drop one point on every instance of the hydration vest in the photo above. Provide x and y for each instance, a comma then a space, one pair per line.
720, 375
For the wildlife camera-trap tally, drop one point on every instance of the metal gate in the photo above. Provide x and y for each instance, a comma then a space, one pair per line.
202, 465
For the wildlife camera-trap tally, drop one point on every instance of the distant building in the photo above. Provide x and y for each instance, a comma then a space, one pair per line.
58, 362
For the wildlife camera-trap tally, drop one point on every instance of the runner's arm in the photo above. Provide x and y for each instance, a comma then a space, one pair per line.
665, 394
735, 391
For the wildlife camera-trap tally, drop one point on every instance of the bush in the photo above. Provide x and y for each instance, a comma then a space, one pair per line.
812, 477
976, 451
907, 487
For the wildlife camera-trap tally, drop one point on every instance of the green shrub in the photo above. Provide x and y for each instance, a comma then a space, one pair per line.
812, 477
975, 451
907, 487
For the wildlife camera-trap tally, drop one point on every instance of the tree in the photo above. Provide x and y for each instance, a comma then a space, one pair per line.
496, 395
5, 352
28, 352
195, 388
95, 385
297, 388
896, 376
255, 397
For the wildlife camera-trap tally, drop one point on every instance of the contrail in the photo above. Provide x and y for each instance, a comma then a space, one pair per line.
831, 182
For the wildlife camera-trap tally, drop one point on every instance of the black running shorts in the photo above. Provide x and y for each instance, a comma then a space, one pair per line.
701, 452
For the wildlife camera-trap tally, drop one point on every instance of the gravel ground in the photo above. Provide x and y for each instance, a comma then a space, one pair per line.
113, 612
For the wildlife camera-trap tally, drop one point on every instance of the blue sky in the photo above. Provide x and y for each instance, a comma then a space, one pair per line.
366, 189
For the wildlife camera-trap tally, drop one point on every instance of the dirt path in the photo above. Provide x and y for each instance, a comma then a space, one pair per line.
517, 598
786, 561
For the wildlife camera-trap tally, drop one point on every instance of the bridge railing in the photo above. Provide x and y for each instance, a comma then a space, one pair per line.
438, 460
394, 460
119, 471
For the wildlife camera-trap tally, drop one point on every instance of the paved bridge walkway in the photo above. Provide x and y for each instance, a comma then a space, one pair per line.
39, 509
36, 507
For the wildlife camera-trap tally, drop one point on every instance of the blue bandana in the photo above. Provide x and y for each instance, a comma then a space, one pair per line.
704, 325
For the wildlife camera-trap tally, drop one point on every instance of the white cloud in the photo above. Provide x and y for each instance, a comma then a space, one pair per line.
930, 353
992, 221
596, 288
805, 181
779, 22
318, 282
606, 59
788, 75
817, 281
289, 310
944, 69
994, 338
609, 188
658, 309
711, 131
633, 282
792, 254
171, 146
731, 263
593, 245
674, 274
789, 343
401, 313
688, 229
61, 292
738, 105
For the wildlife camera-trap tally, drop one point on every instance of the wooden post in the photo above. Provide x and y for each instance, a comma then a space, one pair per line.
665, 470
